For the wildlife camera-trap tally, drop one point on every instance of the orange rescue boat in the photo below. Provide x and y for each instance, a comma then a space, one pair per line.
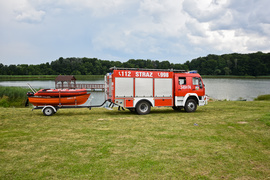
56, 101
63, 92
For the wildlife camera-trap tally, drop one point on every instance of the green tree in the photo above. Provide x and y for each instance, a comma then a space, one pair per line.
227, 71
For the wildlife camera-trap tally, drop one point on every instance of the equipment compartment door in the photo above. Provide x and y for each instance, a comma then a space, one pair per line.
143, 87
129, 103
164, 102
163, 87
123, 87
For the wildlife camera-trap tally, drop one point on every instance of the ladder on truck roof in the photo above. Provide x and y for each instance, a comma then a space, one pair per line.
145, 69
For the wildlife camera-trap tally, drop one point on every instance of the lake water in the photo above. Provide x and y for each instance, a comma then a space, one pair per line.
230, 89
235, 89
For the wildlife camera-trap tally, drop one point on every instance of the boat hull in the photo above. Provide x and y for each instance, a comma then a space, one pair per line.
56, 101
61, 92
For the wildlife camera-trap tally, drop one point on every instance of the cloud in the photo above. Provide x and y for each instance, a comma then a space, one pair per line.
25, 12
228, 25
196, 29
154, 9
204, 11
31, 16
98, 9
258, 43
242, 15
175, 30
153, 31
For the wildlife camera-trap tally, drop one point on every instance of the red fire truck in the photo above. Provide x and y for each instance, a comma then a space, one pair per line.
140, 89
137, 90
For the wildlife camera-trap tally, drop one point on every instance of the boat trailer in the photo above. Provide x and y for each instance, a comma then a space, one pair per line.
49, 110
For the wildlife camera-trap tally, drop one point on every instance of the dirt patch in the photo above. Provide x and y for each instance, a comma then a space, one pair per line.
242, 122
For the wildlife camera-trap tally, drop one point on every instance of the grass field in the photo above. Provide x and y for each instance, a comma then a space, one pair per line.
223, 140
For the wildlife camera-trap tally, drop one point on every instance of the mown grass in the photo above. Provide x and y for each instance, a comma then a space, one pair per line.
223, 140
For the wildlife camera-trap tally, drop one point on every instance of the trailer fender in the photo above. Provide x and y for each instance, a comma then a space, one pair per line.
46, 110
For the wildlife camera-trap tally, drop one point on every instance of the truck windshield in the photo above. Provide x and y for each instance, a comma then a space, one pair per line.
197, 82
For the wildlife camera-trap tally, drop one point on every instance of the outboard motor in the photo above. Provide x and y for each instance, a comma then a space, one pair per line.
30, 94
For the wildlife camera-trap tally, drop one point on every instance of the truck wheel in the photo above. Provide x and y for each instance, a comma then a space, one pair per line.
190, 105
48, 111
143, 108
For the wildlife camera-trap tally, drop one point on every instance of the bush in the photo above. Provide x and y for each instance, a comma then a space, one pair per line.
265, 97
12, 96
4, 101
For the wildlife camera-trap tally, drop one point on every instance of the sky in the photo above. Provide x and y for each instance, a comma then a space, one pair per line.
40, 31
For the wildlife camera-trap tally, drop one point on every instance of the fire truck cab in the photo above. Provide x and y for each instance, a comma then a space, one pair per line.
140, 89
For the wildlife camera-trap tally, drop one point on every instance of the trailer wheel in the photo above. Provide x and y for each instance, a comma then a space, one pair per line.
190, 105
143, 107
48, 111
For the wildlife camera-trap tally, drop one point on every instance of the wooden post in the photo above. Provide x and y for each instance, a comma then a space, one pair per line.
59, 98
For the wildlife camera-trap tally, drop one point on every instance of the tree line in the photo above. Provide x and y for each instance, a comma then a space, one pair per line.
254, 64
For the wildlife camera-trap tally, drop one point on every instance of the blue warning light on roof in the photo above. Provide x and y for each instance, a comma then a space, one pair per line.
193, 72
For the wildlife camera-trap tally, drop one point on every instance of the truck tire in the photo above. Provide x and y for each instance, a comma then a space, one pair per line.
143, 107
48, 111
190, 105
